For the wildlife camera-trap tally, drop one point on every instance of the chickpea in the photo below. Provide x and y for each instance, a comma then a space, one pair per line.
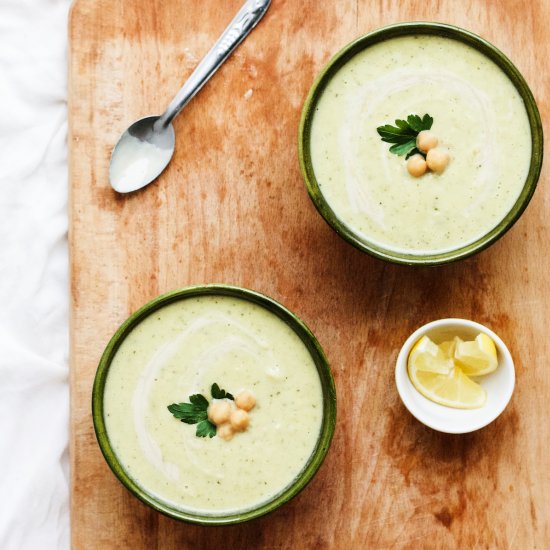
416, 166
239, 420
219, 411
225, 431
426, 140
437, 159
245, 400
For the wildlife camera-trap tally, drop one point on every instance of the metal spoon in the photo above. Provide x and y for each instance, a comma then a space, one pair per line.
144, 150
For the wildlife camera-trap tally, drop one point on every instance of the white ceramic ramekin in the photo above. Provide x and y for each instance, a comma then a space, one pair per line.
499, 385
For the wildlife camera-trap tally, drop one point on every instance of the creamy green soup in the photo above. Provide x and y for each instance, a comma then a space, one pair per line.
479, 118
182, 349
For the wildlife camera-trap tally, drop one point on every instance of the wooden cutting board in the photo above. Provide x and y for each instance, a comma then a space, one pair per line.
232, 208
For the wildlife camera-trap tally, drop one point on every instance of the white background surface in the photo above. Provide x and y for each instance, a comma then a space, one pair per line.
34, 394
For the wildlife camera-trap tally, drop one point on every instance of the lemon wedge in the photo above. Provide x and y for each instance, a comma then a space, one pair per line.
449, 346
453, 389
477, 357
442, 372
426, 356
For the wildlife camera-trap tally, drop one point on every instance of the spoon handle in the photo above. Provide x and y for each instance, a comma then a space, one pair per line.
245, 20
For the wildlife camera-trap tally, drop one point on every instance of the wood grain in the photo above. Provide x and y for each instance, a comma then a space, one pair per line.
232, 208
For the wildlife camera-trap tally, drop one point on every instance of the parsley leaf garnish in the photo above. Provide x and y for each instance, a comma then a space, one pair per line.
403, 134
193, 412
196, 411
206, 429
218, 393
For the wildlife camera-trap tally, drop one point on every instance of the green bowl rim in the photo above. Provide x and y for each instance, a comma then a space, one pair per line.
386, 33
307, 337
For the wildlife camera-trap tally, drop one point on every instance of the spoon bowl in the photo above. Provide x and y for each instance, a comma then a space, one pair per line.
143, 151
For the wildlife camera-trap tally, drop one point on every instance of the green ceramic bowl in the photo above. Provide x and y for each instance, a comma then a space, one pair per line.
327, 384
393, 31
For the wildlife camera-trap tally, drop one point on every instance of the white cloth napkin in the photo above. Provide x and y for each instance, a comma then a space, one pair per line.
34, 394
